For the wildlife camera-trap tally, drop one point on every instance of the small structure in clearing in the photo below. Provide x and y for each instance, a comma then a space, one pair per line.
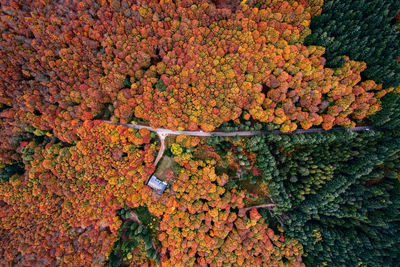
156, 184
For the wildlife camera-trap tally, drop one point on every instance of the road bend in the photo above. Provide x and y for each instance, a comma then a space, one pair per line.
163, 133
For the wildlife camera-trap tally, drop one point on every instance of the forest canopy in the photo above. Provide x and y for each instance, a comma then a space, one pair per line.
310, 88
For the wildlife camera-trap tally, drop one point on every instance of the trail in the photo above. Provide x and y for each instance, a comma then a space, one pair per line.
239, 133
163, 133
162, 148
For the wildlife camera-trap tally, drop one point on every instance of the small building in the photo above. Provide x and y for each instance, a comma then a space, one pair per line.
157, 184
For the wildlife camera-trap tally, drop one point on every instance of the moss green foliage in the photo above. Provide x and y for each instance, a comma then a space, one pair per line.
160, 85
364, 31
230, 150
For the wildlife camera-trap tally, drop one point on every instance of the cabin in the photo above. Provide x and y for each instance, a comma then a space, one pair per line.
156, 184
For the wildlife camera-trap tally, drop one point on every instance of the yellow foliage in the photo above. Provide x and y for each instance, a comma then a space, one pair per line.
176, 149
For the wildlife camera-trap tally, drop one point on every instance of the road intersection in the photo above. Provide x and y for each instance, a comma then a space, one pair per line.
163, 133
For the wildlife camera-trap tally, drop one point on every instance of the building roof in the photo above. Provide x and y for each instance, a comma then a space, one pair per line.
157, 184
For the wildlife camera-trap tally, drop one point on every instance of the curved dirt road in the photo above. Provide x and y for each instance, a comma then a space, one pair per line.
238, 133
163, 133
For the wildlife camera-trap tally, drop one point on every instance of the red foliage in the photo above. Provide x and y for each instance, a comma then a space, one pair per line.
64, 209
177, 64
187, 64
199, 225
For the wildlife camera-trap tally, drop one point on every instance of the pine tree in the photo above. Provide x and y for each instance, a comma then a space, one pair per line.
388, 117
337, 192
365, 31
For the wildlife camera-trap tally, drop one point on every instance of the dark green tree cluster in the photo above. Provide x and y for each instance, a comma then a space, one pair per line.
360, 226
389, 116
337, 192
229, 147
364, 30
246, 126
10, 170
134, 235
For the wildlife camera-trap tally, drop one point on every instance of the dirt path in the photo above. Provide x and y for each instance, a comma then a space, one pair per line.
162, 137
163, 133
167, 132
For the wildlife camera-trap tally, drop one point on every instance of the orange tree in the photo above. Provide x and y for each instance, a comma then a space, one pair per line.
177, 64
204, 223
64, 209
253, 60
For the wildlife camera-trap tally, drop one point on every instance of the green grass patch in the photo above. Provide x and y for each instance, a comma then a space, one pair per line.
165, 164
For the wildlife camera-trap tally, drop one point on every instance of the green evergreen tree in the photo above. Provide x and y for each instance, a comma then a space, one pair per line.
337, 193
389, 116
365, 31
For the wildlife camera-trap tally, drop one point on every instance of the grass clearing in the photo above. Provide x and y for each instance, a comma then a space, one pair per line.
165, 164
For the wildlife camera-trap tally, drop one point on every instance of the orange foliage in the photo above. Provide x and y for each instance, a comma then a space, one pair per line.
185, 64
250, 60
199, 225
64, 209
177, 64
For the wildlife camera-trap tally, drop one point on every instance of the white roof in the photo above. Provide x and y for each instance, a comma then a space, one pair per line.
157, 184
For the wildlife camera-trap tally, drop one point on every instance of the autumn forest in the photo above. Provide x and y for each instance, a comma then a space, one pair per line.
272, 126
